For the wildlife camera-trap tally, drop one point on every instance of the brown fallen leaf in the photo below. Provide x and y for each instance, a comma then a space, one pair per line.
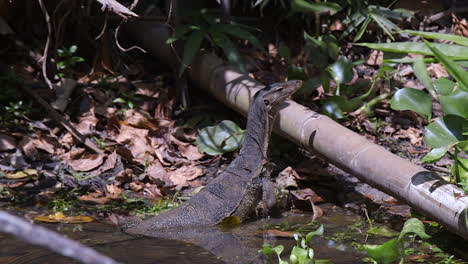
7, 142
113, 190
310, 196
87, 123
274, 233
27, 146
152, 192
437, 70
67, 140
180, 176
375, 58
460, 27
156, 172
97, 197
136, 140
190, 152
413, 134
108, 164
87, 162
287, 178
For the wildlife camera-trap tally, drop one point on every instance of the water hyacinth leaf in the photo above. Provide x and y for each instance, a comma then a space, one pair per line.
331, 107
414, 225
342, 70
310, 235
191, 49
445, 131
431, 35
455, 103
444, 86
421, 73
270, 252
457, 72
386, 253
301, 254
435, 154
219, 139
229, 49
452, 51
305, 7
414, 100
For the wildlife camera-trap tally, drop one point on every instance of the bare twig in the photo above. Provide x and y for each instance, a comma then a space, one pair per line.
43, 237
117, 8
118, 44
46, 48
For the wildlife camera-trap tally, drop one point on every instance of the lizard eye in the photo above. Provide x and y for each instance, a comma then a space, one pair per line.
266, 102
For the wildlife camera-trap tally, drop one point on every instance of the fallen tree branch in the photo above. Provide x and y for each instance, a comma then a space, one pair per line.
43, 237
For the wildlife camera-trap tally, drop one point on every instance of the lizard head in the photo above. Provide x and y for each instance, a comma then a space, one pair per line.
276, 93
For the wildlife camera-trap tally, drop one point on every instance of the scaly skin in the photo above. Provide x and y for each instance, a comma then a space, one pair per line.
238, 189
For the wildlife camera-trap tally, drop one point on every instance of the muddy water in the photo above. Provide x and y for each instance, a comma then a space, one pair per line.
237, 245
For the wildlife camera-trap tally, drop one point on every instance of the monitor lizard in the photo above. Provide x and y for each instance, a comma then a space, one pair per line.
238, 189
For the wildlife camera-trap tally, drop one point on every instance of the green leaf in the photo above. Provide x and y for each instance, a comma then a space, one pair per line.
397, 14
310, 235
445, 131
414, 100
352, 22
386, 25
332, 107
455, 103
463, 145
457, 72
386, 253
229, 49
219, 139
421, 73
435, 154
414, 225
452, 51
461, 173
444, 86
305, 7
362, 29
238, 32
450, 37
300, 255
73, 49
191, 49
342, 70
